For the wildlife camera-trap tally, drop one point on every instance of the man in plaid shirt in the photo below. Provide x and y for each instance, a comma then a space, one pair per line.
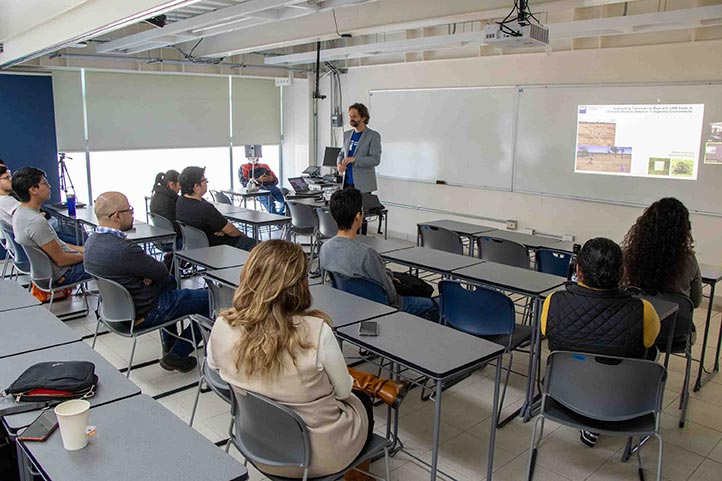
268, 181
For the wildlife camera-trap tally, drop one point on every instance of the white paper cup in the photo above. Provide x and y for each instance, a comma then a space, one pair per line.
73, 418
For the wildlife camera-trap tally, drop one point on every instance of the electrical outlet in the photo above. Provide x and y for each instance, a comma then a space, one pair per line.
284, 82
528, 231
511, 225
567, 237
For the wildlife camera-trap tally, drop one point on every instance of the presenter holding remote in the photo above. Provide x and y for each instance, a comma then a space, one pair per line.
361, 151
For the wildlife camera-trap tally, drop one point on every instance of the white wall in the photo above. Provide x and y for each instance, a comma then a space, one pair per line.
660, 63
296, 128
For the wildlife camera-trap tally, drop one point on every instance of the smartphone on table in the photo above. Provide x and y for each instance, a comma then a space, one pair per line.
41, 428
368, 328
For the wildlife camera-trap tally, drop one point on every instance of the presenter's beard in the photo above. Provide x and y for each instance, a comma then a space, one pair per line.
354, 123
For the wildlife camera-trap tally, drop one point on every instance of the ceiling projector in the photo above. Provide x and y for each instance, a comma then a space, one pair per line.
515, 34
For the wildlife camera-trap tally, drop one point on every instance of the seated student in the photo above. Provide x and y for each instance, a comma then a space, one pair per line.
596, 316
110, 255
270, 342
348, 257
195, 211
659, 254
165, 195
31, 228
268, 180
8, 203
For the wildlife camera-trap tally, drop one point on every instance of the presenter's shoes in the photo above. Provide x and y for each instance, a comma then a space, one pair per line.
589, 438
174, 362
387, 390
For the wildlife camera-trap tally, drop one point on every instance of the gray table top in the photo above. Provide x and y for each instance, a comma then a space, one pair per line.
711, 274
517, 279
227, 209
15, 296
82, 214
431, 259
345, 309
427, 347
531, 241
463, 228
382, 246
137, 439
30, 329
248, 216
564, 246
112, 384
142, 232
231, 275
243, 192
312, 201
216, 257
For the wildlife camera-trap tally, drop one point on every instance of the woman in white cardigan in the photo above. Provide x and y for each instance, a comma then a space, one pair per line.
270, 343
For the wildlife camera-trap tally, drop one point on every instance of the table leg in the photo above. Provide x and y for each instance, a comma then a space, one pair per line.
471, 245
701, 382
534, 359
437, 427
494, 417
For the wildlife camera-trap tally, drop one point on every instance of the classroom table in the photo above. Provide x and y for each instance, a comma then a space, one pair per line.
30, 329
383, 246
112, 384
563, 246
527, 283
711, 275
226, 209
464, 229
432, 260
215, 257
257, 220
345, 309
137, 438
243, 193
15, 296
529, 240
231, 275
435, 351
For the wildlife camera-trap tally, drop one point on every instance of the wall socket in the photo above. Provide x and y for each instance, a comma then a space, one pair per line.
528, 231
511, 225
567, 237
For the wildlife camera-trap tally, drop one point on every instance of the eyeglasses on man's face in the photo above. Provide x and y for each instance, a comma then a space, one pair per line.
129, 209
6, 177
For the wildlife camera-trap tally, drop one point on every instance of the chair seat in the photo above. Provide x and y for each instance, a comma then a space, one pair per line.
217, 385
123, 328
373, 447
521, 335
642, 425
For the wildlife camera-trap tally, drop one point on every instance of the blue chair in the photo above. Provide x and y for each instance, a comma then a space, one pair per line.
484, 313
21, 263
553, 262
359, 287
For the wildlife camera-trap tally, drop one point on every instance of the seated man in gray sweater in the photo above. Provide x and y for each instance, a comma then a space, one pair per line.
348, 257
108, 254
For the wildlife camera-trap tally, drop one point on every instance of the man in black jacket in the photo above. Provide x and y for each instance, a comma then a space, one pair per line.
109, 254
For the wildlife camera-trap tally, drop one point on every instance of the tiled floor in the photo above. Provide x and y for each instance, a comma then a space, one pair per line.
692, 453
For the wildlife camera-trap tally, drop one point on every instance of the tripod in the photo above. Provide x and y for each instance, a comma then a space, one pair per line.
64, 176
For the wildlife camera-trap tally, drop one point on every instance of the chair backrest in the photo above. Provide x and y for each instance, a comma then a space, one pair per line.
302, 216
268, 432
357, 286
221, 297
41, 267
116, 303
193, 238
683, 323
157, 220
20, 258
327, 225
481, 312
503, 251
605, 388
553, 262
220, 197
441, 239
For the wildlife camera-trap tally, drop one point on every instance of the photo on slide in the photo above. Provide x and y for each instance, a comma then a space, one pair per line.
641, 140
713, 153
715, 134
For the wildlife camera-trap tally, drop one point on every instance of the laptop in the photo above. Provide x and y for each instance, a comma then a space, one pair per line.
300, 187
330, 156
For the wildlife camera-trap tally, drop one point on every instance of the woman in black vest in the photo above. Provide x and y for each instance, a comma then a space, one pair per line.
596, 316
165, 195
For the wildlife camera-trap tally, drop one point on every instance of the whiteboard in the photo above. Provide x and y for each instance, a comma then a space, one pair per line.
546, 140
462, 136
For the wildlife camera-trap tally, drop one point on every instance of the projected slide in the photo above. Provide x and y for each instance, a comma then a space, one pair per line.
639, 140
713, 146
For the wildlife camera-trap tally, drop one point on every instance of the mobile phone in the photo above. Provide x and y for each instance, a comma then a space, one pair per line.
368, 328
41, 428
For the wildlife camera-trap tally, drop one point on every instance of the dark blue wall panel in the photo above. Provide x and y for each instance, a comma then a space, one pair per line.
27, 125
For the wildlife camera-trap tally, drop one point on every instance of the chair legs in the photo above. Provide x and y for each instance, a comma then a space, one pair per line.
534, 447
195, 403
130, 361
684, 398
499, 423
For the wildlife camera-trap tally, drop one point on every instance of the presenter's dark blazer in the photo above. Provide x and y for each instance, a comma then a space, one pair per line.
367, 155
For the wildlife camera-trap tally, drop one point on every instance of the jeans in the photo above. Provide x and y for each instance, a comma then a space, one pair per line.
420, 306
174, 303
276, 196
76, 273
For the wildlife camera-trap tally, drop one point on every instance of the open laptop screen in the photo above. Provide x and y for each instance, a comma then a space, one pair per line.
298, 184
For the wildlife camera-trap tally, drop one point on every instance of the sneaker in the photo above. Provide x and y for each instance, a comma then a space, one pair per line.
173, 362
589, 438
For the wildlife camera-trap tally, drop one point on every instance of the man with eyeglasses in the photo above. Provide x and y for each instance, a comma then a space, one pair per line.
193, 210
31, 228
110, 255
8, 203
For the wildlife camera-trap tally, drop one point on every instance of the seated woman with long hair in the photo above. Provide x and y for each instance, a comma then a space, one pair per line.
271, 343
659, 252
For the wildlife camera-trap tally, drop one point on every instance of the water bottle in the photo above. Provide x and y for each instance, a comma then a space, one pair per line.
572, 274
70, 198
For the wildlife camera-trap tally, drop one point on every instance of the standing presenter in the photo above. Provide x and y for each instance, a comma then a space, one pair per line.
361, 151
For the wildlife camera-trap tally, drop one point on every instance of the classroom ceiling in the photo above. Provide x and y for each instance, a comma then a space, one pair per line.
283, 34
